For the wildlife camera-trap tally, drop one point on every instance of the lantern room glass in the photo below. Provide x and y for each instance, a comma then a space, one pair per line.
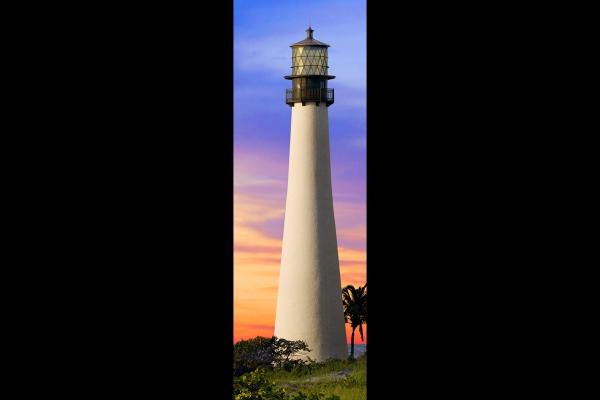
309, 60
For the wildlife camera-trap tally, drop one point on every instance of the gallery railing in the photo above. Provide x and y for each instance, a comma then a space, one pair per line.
324, 95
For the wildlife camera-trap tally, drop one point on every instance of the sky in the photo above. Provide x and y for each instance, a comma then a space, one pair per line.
263, 32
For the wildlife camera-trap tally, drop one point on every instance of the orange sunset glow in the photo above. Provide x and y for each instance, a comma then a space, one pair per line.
259, 204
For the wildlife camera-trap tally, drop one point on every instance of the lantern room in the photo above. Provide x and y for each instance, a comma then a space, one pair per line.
309, 72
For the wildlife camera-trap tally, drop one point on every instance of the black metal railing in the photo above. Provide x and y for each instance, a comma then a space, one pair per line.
325, 95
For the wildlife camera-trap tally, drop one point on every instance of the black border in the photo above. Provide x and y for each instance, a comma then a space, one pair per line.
130, 215
466, 194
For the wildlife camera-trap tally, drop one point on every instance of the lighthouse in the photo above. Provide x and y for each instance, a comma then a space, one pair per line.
309, 301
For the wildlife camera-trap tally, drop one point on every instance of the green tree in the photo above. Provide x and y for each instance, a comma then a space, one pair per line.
355, 310
250, 354
287, 352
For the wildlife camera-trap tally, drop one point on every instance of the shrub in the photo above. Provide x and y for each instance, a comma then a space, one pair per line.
256, 386
250, 354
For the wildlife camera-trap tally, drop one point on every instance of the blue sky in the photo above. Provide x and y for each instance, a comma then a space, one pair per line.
263, 32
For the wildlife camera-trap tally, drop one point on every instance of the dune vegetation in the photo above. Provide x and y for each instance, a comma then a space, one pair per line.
346, 379
268, 369
279, 369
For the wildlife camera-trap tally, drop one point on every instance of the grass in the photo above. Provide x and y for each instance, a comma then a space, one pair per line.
344, 378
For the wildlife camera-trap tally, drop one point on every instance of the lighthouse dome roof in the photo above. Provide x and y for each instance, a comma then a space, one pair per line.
309, 41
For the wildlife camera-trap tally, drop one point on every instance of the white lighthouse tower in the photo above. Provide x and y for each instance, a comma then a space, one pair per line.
309, 302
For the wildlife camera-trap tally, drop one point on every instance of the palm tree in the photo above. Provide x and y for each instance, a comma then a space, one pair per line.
355, 310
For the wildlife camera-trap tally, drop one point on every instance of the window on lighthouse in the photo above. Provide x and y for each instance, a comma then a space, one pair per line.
310, 60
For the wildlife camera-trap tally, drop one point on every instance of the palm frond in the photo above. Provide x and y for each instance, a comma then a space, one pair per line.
354, 301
